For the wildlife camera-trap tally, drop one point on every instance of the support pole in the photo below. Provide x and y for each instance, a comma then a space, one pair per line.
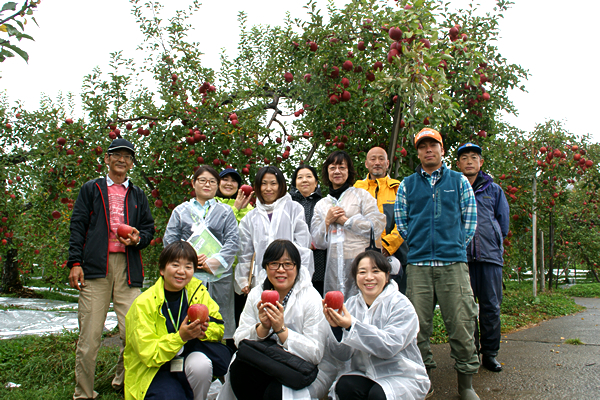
534, 189
542, 270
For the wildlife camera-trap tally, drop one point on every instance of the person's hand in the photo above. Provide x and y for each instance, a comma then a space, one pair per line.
242, 200
342, 319
384, 252
133, 238
275, 315
265, 321
76, 278
192, 330
202, 261
333, 214
246, 290
341, 219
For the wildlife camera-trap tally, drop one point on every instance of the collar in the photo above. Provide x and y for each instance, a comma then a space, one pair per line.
110, 182
207, 203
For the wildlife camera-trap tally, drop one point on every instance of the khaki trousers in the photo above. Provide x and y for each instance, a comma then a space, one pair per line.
94, 301
450, 287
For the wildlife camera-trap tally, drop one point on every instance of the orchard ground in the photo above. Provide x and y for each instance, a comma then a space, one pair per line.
44, 365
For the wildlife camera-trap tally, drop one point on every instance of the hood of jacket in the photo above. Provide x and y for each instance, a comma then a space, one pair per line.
279, 203
482, 182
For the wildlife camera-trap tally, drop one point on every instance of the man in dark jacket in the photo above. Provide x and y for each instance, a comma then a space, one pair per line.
104, 266
485, 252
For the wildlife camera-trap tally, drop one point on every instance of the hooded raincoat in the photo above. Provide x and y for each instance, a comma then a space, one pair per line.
381, 345
257, 231
149, 344
223, 225
344, 243
304, 319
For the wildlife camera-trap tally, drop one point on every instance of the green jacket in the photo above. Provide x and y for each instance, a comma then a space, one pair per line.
239, 214
149, 345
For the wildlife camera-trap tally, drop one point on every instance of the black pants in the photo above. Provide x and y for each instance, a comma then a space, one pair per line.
168, 385
249, 383
356, 387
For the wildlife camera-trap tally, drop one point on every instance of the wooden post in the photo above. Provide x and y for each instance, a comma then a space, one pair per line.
542, 271
534, 189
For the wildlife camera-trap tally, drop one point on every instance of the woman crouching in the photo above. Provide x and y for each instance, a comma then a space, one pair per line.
376, 330
162, 360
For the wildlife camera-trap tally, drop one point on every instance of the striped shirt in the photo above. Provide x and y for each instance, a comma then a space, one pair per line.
468, 206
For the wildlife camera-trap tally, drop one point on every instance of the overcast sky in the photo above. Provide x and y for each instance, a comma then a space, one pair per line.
552, 39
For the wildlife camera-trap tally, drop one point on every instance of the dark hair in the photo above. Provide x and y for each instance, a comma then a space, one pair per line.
380, 261
275, 251
301, 167
337, 157
280, 181
206, 168
175, 251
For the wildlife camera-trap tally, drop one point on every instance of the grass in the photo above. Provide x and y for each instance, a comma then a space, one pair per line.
520, 309
44, 367
583, 290
575, 341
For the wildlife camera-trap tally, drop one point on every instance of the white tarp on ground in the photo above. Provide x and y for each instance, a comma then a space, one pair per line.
33, 317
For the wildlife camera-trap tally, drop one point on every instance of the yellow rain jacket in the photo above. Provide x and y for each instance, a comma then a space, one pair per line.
149, 345
385, 190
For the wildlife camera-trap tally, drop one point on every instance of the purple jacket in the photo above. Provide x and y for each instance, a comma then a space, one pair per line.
493, 216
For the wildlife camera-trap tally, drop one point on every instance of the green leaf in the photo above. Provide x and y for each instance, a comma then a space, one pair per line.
17, 50
11, 5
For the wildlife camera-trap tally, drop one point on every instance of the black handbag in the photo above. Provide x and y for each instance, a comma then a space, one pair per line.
372, 245
268, 356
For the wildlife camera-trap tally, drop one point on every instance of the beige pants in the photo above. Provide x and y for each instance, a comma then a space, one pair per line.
94, 301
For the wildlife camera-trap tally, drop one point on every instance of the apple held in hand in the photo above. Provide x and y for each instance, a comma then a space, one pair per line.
246, 189
334, 299
270, 296
198, 311
124, 230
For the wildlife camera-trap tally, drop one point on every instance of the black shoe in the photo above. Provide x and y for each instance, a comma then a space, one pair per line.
490, 363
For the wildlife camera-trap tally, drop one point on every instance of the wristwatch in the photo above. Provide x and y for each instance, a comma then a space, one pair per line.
283, 328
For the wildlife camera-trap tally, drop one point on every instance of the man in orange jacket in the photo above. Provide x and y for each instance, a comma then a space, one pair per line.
384, 189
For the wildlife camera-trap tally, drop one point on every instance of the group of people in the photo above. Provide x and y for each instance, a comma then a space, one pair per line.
374, 240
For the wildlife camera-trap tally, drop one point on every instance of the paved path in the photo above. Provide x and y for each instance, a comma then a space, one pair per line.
537, 363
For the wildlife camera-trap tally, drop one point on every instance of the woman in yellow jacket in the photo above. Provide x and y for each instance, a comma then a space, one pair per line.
167, 356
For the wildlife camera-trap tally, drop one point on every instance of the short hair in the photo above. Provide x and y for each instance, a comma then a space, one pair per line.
206, 168
280, 181
378, 259
275, 251
337, 157
301, 167
175, 251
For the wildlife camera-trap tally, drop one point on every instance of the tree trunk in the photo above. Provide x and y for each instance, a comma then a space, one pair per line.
11, 280
551, 252
394, 135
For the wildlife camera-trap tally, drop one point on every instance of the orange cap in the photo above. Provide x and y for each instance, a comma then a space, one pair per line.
428, 133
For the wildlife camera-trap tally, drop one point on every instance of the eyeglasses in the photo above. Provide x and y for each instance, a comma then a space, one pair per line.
118, 156
341, 168
204, 181
274, 265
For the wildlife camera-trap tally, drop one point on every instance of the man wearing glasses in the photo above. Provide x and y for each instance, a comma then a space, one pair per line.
104, 266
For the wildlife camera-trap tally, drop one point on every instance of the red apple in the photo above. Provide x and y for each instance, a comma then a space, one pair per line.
347, 65
61, 141
288, 77
334, 300
346, 95
313, 46
246, 189
198, 311
361, 46
55, 214
395, 33
124, 230
307, 77
269, 296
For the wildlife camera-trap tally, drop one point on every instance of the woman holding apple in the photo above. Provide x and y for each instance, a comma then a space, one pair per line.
343, 222
301, 329
276, 216
205, 213
306, 191
376, 330
162, 360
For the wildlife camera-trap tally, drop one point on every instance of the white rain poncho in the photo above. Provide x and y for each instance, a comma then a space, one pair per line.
344, 243
257, 232
382, 345
304, 319
221, 222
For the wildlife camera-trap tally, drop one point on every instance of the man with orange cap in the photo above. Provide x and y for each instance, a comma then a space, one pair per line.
436, 213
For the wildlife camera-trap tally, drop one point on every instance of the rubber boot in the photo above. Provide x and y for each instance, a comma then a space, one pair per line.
430, 392
465, 387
